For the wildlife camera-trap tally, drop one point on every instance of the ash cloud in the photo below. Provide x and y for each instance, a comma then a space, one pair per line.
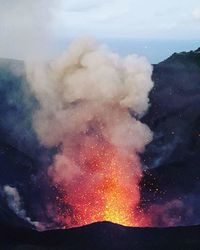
90, 81
88, 74
86, 97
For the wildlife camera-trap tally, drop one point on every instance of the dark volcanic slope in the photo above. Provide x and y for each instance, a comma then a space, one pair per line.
174, 117
102, 236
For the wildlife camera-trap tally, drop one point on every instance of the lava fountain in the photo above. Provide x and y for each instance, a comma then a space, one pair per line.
106, 189
90, 103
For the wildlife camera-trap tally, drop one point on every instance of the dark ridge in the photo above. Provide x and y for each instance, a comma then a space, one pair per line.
103, 235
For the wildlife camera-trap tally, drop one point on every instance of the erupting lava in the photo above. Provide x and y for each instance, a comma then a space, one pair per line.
107, 189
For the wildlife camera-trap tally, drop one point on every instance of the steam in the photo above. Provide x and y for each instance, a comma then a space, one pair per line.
172, 213
15, 204
87, 97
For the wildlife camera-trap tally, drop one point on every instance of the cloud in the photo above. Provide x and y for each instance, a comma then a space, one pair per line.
77, 6
196, 13
26, 27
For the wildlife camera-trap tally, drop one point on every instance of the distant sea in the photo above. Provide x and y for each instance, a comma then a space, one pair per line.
155, 50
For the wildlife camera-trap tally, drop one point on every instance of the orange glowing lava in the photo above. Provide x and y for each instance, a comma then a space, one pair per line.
107, 189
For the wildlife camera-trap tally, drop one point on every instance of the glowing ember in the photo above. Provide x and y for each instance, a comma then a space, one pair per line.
107, 188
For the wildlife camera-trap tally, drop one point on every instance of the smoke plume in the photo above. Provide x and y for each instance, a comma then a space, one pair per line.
90, 101
15, 204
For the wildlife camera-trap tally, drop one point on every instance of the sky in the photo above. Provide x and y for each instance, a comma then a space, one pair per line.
26, 24
130, 18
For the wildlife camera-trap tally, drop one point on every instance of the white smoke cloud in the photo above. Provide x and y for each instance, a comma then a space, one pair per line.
87, 77
15, 204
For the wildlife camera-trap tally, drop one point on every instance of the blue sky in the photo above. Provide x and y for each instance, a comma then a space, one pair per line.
27, 25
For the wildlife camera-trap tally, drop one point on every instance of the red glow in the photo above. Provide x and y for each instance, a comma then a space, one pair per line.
107, 188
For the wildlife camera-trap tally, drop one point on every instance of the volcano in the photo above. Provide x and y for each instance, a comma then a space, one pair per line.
170, 177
